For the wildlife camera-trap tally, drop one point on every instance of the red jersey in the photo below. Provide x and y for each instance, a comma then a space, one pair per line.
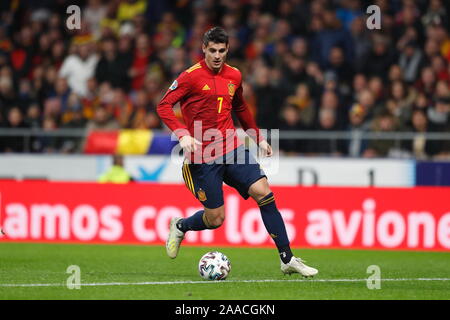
207, 99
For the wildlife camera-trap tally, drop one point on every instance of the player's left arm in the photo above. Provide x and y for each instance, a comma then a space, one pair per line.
248, 122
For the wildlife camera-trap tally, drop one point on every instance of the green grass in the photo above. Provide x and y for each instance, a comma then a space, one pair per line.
22, 263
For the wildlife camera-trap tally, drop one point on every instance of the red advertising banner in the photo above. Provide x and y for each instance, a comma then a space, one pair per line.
372, 218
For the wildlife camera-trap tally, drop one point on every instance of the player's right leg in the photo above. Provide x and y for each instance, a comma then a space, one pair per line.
205, 182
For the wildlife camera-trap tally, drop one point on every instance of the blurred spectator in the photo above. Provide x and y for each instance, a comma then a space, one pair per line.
110, 25
78, 67
350, 10
153, 87
111, 67
93, 97
330, 100
22, 53
327, 122
61, 94
439, 66
419, 146
15, 121
42, 54
408, 27
299, 48
395, 73
341, 68
305, 105
410, 61
359, 84
268, 99
121, 107
376, 86
290, 121
435, 14
438, 114
125, 46
442, 89
294, 72
93, 13
144, 115
102, 120
361, 42
421, 102
47, 143
139, 25
33, 117
73, 105
366, 99
384, 122
33, 120
6, 45
379, 58
128, 9
426, 84
170, 26
76, 120
358, 125
117, 172
8, 96
141, 60
329, 34
401, 100
431, 49
25, 97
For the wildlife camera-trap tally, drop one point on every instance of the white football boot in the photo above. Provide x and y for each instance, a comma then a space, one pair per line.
296, 265
174, 239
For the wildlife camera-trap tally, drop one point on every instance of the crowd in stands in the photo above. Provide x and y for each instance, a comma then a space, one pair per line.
306, 65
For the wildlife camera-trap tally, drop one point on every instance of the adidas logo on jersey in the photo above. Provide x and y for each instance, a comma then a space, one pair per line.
206, 87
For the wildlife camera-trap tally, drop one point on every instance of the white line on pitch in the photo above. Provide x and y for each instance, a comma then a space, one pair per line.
149, 283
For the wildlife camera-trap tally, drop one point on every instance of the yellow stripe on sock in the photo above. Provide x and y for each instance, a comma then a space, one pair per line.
267, 201
205, 220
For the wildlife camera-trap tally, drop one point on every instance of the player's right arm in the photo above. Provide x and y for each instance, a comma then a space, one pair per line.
179, 89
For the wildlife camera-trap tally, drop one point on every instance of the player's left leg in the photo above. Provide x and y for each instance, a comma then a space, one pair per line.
249, 179
273, 221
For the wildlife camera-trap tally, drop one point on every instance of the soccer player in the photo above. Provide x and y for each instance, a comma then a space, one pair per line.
208, 92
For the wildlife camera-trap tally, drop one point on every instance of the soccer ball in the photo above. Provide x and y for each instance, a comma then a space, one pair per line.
214, 265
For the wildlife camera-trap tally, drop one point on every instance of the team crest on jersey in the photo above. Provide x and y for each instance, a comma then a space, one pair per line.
231, 89
174, 85
201, 195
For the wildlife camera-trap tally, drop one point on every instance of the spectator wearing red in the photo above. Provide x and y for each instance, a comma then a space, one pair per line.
22, 53
142, 58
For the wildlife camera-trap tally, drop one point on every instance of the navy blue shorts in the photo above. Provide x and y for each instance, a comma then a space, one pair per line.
237, 169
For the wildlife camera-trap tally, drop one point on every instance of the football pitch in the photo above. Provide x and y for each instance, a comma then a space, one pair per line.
39, 271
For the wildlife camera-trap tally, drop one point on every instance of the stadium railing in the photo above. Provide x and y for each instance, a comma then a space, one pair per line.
398, 137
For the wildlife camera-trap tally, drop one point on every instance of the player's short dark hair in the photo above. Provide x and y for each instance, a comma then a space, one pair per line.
215, 35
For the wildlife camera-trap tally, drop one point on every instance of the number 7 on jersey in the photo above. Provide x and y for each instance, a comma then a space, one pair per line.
220, 99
